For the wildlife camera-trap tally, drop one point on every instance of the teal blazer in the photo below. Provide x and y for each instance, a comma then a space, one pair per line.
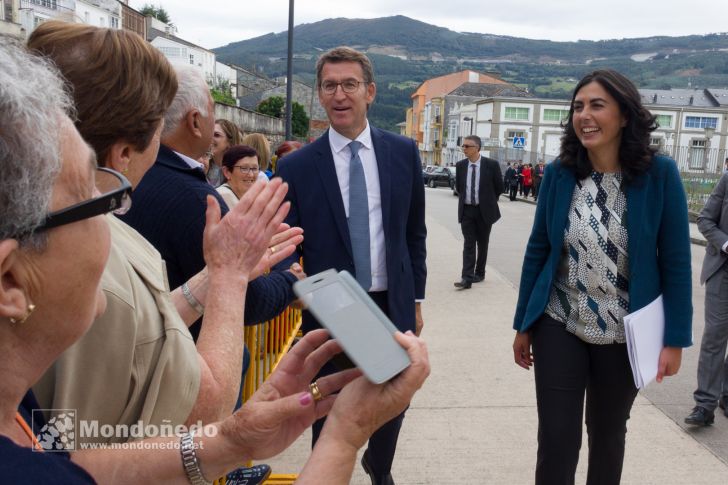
659, 247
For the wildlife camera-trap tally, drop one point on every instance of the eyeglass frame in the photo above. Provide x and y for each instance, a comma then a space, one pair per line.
336, 86
245, 170
110, 202
468, 146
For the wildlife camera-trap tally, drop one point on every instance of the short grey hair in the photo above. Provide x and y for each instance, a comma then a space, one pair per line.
33, 103
192, 93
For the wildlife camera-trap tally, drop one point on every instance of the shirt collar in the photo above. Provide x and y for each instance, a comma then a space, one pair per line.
477, 162
190, 161
338, 141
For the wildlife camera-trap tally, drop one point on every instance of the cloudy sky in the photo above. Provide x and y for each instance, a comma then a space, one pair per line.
214, 23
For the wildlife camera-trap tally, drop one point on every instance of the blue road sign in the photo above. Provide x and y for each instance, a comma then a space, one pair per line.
519, 142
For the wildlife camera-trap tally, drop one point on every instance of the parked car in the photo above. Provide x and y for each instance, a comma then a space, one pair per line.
440, 176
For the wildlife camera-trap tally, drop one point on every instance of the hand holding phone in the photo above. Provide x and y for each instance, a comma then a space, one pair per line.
363, 330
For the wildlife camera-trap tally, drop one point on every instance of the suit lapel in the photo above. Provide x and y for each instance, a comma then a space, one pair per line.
382, 152
636, 199
330, 182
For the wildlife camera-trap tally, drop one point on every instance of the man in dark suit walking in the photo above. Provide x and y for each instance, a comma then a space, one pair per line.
712, 388
358, 194
479, 184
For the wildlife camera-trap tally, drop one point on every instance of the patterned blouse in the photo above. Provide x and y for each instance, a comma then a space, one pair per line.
590, 293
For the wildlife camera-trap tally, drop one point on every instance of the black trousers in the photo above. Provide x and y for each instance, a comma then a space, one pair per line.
477, 234
566, 367
512, 191
383, 443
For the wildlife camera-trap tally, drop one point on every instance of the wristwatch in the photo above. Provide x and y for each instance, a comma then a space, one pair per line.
189, 460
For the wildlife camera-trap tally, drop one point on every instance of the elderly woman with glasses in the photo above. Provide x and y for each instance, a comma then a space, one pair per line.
54, 245
240, 168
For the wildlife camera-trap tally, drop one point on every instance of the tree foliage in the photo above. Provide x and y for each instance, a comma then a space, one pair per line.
275, 106
220, 91
158, 13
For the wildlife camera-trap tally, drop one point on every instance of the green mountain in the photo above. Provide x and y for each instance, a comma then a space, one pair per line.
405, 52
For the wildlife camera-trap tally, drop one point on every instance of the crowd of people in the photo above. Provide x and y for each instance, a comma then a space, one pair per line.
134, 312
88, 319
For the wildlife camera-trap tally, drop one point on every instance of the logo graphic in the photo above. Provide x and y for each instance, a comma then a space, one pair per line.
59, 432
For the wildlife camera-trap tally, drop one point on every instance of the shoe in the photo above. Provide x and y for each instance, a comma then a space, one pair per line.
723, 403
463, 284
478, 278
700, 417
254, 475
385, 480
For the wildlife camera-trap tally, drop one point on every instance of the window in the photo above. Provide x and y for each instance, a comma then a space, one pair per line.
656, 141
555, 115
513, 113
664, 121
52, 4
114, 22
192, 59
86, 17
515, 134
700, 122
697, 153
37, 21
102, 22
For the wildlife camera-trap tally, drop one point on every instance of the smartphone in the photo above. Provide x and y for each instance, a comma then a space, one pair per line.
365, 333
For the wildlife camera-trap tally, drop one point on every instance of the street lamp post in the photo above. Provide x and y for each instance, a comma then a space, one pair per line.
289, 75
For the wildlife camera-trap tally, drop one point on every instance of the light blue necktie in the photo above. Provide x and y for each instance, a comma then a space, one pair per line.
359, 218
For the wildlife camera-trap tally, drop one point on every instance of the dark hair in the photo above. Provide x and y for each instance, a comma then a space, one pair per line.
475, 139
345, 54
287, 146
635, 152
235, 153
120, 83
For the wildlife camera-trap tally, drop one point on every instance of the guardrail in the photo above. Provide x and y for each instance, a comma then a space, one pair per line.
267, 344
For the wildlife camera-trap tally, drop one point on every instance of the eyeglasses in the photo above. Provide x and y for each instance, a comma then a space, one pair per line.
469, 146
116, 198
246, 169
349, 86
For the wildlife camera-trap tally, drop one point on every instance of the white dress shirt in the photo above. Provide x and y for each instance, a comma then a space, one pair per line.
468, 188
342, 158
190, 161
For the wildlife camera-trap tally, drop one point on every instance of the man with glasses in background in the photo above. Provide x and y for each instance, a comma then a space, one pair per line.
479, 184
358, 194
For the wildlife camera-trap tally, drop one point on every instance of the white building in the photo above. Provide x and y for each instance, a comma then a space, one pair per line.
179, 51
502, 122
100, 13
10, 18
693, 126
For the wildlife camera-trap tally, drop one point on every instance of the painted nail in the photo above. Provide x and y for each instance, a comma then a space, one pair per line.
305, 399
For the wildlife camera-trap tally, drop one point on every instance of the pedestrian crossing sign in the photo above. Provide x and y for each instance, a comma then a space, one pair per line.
519, 141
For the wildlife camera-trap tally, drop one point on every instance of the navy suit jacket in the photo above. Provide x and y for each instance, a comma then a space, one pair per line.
317, 207
658, 247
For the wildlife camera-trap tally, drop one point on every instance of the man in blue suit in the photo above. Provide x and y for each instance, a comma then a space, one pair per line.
358, 194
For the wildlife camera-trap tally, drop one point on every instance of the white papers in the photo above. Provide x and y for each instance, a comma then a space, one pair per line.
645, 331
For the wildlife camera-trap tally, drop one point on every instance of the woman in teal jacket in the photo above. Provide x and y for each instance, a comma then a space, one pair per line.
610, 235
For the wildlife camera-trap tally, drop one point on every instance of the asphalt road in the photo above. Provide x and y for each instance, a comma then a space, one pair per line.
508, 240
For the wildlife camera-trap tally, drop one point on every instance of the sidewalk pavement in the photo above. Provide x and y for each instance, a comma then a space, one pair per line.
474, 422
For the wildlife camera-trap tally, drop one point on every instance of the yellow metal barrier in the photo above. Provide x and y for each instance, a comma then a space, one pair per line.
267, 344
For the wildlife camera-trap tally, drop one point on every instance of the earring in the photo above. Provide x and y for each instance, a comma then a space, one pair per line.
22, 320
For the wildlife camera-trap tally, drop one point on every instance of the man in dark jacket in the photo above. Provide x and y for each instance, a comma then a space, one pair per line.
479, 184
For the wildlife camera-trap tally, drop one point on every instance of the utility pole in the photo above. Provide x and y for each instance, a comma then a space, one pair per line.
289, 77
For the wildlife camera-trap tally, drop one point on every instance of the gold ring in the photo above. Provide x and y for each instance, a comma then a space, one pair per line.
315, 391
